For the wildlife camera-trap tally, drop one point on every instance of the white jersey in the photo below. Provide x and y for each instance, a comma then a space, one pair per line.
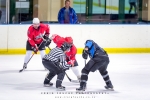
57, 55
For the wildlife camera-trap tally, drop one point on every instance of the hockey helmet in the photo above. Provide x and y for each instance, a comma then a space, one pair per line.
65, 46
53, 36
36, 21
69, 40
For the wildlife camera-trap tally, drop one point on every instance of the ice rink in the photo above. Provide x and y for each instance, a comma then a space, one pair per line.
129, 73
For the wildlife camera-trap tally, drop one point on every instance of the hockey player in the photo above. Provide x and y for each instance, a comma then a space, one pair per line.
70, 55
99, 60
37, 34
58, 40
56, 63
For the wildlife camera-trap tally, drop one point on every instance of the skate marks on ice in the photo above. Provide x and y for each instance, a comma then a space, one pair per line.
35, 70
25, 86
101, 91
9, 71
32, 86
17, 71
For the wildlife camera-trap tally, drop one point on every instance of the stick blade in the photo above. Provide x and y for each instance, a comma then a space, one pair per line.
20, 70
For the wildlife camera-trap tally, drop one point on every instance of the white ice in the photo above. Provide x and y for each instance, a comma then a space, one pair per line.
129, 73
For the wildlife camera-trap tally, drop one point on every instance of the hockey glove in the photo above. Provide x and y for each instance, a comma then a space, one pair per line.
35, 49
46, 37
48, 42
71, 62
85, 54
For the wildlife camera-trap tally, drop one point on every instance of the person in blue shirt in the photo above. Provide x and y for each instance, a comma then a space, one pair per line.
99, 60
67, 15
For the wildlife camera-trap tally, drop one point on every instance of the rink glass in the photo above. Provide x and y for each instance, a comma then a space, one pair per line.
88, 11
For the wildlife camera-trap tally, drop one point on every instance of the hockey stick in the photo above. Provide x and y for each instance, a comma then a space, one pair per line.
85, 61
68, 77
27, 63
71, 80
31, 57
49, 48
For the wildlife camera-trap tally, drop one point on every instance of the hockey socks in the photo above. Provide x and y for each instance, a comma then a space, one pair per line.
76, 72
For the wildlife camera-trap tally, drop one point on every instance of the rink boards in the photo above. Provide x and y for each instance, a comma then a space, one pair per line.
113, 38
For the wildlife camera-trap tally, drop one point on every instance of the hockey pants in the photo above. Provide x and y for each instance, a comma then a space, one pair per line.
90, 65
53, 70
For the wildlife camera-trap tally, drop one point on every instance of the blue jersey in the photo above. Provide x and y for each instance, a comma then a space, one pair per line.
92, 46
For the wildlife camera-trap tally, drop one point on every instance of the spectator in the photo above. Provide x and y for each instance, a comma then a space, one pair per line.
99, 3
67, 15
13, 19
0, 14
132, 4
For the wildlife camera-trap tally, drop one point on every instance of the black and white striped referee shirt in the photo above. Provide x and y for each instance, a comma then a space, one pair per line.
57, 55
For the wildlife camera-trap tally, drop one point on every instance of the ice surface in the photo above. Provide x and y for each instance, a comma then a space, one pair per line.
129, 73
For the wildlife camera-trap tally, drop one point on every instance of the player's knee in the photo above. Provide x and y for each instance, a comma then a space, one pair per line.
45, 64
61, 76
103, 72
84, 71
28, 53
42, 53
52, 73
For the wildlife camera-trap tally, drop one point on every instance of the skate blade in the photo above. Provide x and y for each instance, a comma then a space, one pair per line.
60, 89
48, 85
80, 90
110, 89
63, 89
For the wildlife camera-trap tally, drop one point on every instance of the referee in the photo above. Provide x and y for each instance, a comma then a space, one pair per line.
56, 63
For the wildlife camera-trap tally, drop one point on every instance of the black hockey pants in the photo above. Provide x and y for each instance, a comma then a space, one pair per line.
93, 65
54, 69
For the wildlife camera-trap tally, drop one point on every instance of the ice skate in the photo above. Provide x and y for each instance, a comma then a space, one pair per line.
24, 66
48, 84
81, 88
109, 86
61, 88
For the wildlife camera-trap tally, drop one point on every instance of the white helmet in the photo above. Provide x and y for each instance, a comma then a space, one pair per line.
36, 21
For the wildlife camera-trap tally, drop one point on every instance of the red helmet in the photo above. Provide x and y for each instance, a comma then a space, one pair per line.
69, 40
59, 41
53, 36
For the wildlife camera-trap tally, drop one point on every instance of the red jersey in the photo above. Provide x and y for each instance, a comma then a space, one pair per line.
71, 54
58, 40
34, 35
